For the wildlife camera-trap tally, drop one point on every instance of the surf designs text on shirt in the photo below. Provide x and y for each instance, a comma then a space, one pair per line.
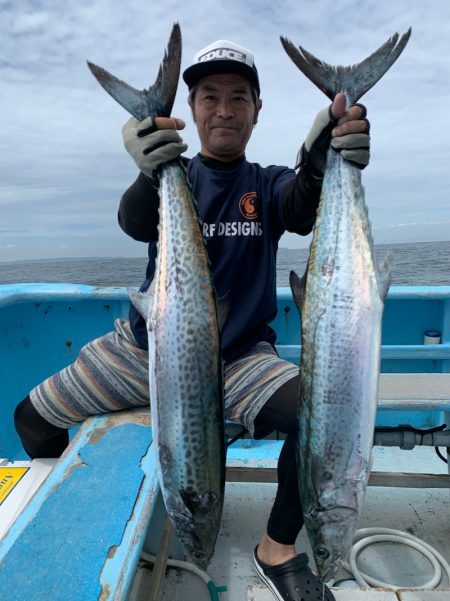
233, 228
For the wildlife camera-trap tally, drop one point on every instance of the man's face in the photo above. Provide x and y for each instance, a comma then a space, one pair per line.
225, 111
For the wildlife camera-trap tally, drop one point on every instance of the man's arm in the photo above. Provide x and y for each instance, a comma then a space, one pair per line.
300, 201
138, 210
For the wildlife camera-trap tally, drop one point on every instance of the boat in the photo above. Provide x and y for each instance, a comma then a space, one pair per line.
92, 524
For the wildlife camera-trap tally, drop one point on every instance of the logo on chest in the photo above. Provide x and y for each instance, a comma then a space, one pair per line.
249, 226
247, 206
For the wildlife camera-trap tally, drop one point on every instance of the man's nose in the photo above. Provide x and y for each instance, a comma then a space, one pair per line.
224, 108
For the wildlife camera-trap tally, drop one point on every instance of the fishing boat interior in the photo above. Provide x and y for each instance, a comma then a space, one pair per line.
92, 524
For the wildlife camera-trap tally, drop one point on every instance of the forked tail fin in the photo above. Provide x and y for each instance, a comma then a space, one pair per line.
354, 80
159, 98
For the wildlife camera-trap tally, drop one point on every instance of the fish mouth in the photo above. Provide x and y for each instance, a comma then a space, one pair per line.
329, 574
323, 513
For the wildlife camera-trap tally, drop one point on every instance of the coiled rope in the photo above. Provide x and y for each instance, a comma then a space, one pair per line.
368, 536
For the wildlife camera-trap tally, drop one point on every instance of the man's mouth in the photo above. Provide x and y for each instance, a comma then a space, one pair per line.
229, 128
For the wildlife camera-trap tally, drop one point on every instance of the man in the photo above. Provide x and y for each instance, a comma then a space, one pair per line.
244, 209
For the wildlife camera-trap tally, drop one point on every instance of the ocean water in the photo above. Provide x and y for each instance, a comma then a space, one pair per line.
420, 264
415, 264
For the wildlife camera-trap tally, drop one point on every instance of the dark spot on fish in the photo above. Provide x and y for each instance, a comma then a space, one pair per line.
182, 522
165, 455
106, 307
198, 502
327, 268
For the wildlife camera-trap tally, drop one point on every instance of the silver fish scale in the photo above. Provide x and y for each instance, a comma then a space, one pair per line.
341, 330
185, 373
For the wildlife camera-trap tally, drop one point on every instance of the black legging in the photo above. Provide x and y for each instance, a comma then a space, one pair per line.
42, 439
280, 413
39, 437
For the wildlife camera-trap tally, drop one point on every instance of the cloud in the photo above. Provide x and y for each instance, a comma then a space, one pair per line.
62, 162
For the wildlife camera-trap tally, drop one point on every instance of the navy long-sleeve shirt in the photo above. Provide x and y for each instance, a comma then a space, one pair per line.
244, 209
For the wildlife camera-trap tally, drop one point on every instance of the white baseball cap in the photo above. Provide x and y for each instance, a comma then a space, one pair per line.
222, 57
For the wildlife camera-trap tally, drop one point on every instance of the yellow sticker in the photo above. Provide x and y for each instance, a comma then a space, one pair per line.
9, 477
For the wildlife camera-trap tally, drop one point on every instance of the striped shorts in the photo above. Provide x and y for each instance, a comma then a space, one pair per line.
111, 374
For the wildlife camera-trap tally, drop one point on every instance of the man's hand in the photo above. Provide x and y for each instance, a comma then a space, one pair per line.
351, 136
152, 142
346, 130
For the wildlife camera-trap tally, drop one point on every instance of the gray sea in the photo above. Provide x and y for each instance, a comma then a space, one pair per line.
423, 263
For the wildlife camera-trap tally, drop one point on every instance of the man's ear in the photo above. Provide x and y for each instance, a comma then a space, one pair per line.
191, 105
258, 107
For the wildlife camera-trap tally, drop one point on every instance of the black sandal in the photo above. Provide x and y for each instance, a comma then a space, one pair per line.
293, 580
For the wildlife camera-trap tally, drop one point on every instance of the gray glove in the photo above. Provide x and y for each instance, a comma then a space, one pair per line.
353, 147
151, 147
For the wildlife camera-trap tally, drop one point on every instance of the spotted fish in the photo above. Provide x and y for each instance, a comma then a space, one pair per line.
185, 373
341, 299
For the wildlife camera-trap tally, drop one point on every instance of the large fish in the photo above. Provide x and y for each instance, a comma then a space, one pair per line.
185, 374
341, 299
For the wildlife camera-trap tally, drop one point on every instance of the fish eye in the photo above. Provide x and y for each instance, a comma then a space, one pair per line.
322, 553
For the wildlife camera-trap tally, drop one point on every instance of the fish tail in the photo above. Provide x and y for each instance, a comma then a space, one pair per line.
354, 80
159, 98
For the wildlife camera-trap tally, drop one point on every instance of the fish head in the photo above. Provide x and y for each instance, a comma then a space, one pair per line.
194, 539
195, 524
331, 536
197, 556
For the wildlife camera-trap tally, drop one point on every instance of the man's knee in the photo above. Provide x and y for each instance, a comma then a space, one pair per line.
30, 424
39, 437
22, 416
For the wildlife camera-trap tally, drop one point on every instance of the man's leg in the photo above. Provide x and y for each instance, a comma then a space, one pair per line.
286, 518
284, 571
109, 374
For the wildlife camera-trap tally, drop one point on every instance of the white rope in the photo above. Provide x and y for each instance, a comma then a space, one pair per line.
177, 563
368, 536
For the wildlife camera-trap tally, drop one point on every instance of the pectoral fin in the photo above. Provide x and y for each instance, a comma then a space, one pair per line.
384, 275
298, 287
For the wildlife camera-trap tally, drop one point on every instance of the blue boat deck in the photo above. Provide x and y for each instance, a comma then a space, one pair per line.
82, 534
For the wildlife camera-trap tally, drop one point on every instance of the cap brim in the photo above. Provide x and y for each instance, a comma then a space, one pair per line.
193, 74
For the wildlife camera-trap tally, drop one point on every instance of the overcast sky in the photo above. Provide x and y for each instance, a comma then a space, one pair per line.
63, 167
